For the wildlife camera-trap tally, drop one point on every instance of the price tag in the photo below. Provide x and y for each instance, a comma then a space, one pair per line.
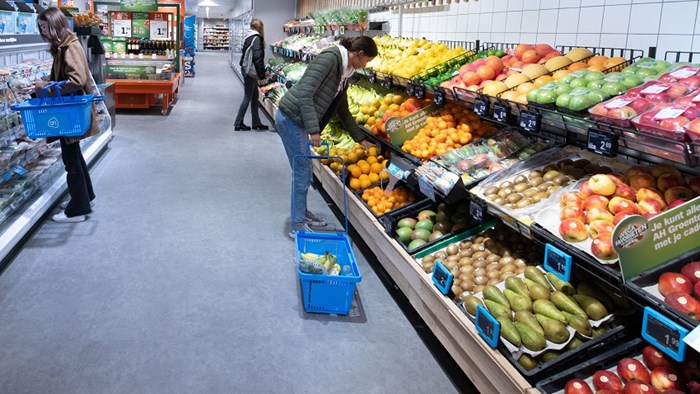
372, 77
664, 333
388, 82
411, 89
530, 121
693, 339
19, 170
426, 188
477, 210
658, 88
684, 72
159, 29
500, 113
420, 91
439, 98
121, 28
670, 113
557, 262
442, 277
618, 103
481, 106
487, 326
396, 171
602, 142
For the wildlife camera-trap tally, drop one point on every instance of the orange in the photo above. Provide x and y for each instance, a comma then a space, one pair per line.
364, 166
597, 67
365, 182
615, 61
577, 66
539, 82
373, 151
561, 73
376, 168
355, 184
599, 59
352, 157
374, 177
354, 171
383, 175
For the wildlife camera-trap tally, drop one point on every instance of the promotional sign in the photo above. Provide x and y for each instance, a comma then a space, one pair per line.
403, 129
138, 5
26, 23
644, 244
121, 24
188, 66
112, 69
8, 22
113, 45
190, 26
159, 26
140, 24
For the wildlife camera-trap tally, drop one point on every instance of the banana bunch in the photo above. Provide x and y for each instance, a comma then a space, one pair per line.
336, 137
330, 262
313, 263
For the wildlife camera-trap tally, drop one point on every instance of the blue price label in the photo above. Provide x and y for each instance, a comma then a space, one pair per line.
477, 210
442, 277
557, 262
420, 92
396, 171
500, 113
426, 188
481, 106
530, 121
19, 170
664, 333
602, 142
487, 326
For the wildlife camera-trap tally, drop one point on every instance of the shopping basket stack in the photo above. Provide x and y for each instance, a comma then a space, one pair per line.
331, 294
57, 116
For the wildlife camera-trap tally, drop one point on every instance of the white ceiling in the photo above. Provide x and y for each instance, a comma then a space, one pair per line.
221, 9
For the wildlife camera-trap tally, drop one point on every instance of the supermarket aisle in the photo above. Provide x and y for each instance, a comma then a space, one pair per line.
182, 281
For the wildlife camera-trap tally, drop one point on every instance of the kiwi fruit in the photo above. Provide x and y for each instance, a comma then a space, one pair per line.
481, 280
513, 198
534, 182
543, 187
561, 180
491, 190
428, 259
564, 163
493, 275
581, 163
550, 167
592, 168
549, 175
500, 201
539, 197
506, 185
530, 192
508, 268
520, 187
493, 258
520, 179
505, 192
605, 170
577, 173
524, 203
553, 189
534, 174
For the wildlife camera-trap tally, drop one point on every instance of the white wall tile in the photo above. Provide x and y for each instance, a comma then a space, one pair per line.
474, 7
569, 3
613, 40
498, 37
548, 4
512, 37
513, 21
678, 18
588, 40
473, 23
590, 20
498, 23
531, 4
645, 18
528, 38
546, 38
515, 5
672, 43
565, 39
585, 3
567, 21
530, 21
485, 22
471, 36
696, 44
453, 23
616, 2
616, 19
645, 1
548, 21
641, 41
486, 6
500, 5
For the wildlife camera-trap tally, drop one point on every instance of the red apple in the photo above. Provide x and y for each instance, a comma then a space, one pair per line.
606, 391
630, 369
620, 216
653, 358
606, 380
692, 271
667, 181
640, 104
691, 82
634, 93
573, 230
642, 180
585, 190
597, 227
599, 110
693, 387
571, 199
622, 113
671, 282
677, 91
650, 206
577, 386
667, 78
602, 184
635, 170
619, 204
692, 112
684, 303
690, 369
676, 203
696, 290
595, 201
653, 194
625, 191
674, 124
694, 183
599, 214
638, 387
572, 213
659, 97
602, 247
678, 193
659, 169
666, 378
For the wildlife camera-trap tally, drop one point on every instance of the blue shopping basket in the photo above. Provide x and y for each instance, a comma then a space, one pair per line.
329, 294
57, 116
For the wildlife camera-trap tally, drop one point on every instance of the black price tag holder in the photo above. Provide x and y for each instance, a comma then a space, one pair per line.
481, 106
442, 277
426, 188
439, 97
500, 113
388, 82
411, 89
419, 91
664, 333
557, 262
477, 210
602, 142
530, 121
487, 326
372, 77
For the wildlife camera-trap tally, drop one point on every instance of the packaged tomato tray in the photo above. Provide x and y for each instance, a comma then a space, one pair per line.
667, 120
660, 92
620, 110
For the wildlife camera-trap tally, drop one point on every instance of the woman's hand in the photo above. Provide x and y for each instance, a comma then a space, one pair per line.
316, 140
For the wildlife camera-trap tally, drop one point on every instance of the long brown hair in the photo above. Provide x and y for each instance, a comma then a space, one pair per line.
56, 26
361, 43
257, 25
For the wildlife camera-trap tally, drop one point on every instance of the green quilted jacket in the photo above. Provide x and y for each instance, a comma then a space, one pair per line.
312, 101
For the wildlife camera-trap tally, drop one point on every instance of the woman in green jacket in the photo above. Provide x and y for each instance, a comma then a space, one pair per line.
308, 106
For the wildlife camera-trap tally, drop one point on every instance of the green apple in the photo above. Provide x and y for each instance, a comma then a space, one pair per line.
532, 96
613, 88
630, 70
546, 96
567, 79
579, 83
563, 88
631, 81
661, 66
597, 95
564, 100
579, 103
593, 75
597, 84
646, 72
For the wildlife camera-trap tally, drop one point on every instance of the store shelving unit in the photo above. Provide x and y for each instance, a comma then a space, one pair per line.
216, 38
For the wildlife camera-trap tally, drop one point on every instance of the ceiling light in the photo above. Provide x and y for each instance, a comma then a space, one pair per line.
207, 3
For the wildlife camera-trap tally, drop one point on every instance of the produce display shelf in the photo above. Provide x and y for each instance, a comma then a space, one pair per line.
487, 368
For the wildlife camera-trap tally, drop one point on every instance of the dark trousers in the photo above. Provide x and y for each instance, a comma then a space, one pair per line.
250, 98
78, 179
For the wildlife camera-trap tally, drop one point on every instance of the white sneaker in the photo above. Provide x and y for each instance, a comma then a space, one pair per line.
64, 204
62, 218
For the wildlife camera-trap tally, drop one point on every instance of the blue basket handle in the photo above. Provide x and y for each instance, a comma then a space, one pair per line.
345, 193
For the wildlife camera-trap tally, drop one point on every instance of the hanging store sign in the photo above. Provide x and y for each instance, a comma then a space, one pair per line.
139, 5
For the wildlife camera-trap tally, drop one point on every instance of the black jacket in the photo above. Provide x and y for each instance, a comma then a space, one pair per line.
258, 54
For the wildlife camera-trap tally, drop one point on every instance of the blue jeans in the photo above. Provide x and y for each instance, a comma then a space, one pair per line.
296, 142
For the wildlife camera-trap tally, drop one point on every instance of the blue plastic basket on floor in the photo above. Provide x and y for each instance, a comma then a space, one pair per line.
331, 294
57, 116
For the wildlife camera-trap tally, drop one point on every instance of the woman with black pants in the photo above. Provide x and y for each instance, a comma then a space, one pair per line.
256, 38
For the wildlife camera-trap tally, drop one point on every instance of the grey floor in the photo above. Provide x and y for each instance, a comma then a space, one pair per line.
182, 281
